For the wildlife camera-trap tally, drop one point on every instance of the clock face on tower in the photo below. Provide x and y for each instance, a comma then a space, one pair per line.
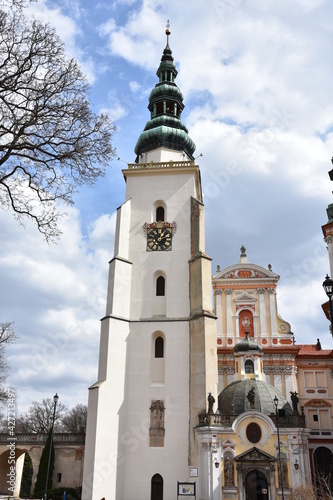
159, 239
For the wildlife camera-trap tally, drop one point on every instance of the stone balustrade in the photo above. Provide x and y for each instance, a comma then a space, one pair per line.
294, 420
168, 164
40, 438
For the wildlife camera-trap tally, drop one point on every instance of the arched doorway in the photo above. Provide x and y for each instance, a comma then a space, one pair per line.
10, 484
323, 470
156, 487
256, 486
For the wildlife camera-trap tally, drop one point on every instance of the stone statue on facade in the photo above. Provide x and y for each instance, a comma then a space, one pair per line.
251, 397
211, 401
228, 472
294, 400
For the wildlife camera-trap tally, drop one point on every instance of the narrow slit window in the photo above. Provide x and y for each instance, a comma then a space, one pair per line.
159, 347
160, 286
160, 214
159, 108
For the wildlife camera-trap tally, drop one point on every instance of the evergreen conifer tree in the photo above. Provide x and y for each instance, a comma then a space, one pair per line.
26, 477
42, 469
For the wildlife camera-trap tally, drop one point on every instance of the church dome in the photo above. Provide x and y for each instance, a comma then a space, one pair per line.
247, 345
251, 395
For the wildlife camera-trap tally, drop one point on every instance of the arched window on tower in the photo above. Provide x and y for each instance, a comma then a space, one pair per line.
159, 347
249, 366
160, 214
158, 293
157, 358
160, 286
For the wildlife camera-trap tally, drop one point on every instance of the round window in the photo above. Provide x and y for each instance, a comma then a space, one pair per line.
253, 433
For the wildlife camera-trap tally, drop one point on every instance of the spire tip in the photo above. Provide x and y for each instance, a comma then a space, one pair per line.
168, 31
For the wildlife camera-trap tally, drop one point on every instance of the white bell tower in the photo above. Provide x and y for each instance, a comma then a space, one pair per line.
158, 359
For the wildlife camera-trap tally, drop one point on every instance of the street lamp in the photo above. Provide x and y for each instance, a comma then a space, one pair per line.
276, 402
328, 287
55, 399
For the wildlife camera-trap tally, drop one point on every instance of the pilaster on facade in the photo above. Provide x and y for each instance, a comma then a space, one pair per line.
272, 312
228, 294
218, 301
210, 452
262, 312
203, 334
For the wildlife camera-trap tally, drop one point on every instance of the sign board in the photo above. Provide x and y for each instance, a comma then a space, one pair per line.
186, 489
264, 491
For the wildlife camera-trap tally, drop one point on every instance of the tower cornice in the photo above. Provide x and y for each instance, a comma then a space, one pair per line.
165, 168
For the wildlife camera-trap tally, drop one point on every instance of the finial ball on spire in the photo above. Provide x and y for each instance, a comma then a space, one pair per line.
168, 31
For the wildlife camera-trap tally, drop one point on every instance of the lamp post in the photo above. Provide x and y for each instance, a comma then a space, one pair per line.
55, 399
276, 402
328, 287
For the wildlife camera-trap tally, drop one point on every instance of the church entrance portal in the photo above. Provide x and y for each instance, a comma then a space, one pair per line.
156, 487
256, 486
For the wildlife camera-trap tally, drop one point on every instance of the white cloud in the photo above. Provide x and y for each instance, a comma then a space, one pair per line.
65, 286
116, 111
68, 29
134, 86
65, 26
108, 27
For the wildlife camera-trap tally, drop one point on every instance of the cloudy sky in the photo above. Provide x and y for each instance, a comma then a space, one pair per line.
257, 79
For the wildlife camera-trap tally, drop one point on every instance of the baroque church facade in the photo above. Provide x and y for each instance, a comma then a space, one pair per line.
199, 393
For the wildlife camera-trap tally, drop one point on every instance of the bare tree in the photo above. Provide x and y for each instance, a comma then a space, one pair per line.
321, 490
7, 336
50, 140
302, 492
39, 416
324, 483
76, 419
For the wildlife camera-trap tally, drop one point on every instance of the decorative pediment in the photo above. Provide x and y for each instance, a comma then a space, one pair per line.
254, 455
245, 298
318, 403
245, 272
228, 443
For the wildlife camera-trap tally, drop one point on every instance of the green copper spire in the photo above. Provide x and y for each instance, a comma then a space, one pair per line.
165, 128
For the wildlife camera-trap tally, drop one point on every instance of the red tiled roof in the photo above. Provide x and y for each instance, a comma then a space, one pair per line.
313, 349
